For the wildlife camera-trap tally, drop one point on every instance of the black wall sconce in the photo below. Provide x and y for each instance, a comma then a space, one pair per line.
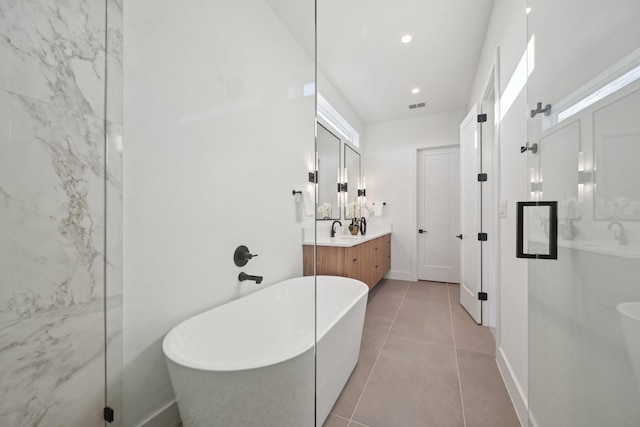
586, 176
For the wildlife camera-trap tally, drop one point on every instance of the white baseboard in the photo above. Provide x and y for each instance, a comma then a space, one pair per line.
514, 389
401, 275
167, 416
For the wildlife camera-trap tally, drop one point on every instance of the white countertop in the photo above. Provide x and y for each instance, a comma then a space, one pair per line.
344, 240
610, 248
603, 248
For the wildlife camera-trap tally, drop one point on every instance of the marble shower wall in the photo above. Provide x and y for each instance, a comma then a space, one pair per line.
60, 210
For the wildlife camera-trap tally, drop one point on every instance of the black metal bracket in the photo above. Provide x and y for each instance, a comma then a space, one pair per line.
482, 177
482, 296
546, 110
313, 177
482, 118
483, 237
108, 414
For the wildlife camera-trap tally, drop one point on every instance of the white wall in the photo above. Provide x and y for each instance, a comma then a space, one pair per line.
217, 135
390, 163
341, 105
507, 31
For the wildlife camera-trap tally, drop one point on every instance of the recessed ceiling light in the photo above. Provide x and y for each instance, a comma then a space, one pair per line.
415, 90
406, 38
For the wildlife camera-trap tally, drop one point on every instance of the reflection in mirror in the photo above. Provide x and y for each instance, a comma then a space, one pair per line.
559, 155
352, 167
328, 166
617, 150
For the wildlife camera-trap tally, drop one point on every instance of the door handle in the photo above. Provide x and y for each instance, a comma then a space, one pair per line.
551, 229
459, 236
422, 231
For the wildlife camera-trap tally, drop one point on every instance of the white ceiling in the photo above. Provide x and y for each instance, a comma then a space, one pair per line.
359, 51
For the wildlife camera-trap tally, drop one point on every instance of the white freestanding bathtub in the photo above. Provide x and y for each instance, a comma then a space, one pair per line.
250, 362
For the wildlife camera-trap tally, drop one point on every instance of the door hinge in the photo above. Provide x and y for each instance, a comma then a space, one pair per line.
482, 177
482, 118
108, 414
483, 237
482, 296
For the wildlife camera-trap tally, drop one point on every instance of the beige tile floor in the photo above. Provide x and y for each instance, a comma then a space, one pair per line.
423, 362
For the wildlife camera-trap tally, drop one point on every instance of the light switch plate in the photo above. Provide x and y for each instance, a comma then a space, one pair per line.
502, 209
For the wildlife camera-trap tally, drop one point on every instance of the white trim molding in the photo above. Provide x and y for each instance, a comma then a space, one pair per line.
516, 393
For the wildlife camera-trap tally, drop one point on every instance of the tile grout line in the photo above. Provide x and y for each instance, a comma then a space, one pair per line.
338, 416
355, 408
455, 350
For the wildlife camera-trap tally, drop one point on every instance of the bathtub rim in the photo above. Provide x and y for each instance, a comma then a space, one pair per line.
179, 360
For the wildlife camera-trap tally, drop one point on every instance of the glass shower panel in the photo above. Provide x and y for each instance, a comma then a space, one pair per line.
584, 307
114, 233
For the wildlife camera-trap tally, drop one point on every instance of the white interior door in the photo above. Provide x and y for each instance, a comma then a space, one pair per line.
438, 214
470, 255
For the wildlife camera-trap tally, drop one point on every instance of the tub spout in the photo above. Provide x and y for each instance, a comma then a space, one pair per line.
244, 276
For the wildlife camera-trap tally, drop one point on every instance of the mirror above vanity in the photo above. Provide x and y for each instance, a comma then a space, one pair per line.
338, 177
352, 173
328, 168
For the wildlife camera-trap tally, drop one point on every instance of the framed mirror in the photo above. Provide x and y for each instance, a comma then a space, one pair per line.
328, 146
352, 169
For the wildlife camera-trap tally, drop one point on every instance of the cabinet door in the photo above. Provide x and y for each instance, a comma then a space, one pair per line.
386, 254
353, 262
375, 278
368, 274
331, 261
308, 266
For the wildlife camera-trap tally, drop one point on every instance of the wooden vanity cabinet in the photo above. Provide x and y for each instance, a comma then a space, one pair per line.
367, 262
381, 257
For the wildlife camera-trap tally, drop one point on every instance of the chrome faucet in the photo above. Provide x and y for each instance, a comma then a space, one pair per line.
620, 235
333, 228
